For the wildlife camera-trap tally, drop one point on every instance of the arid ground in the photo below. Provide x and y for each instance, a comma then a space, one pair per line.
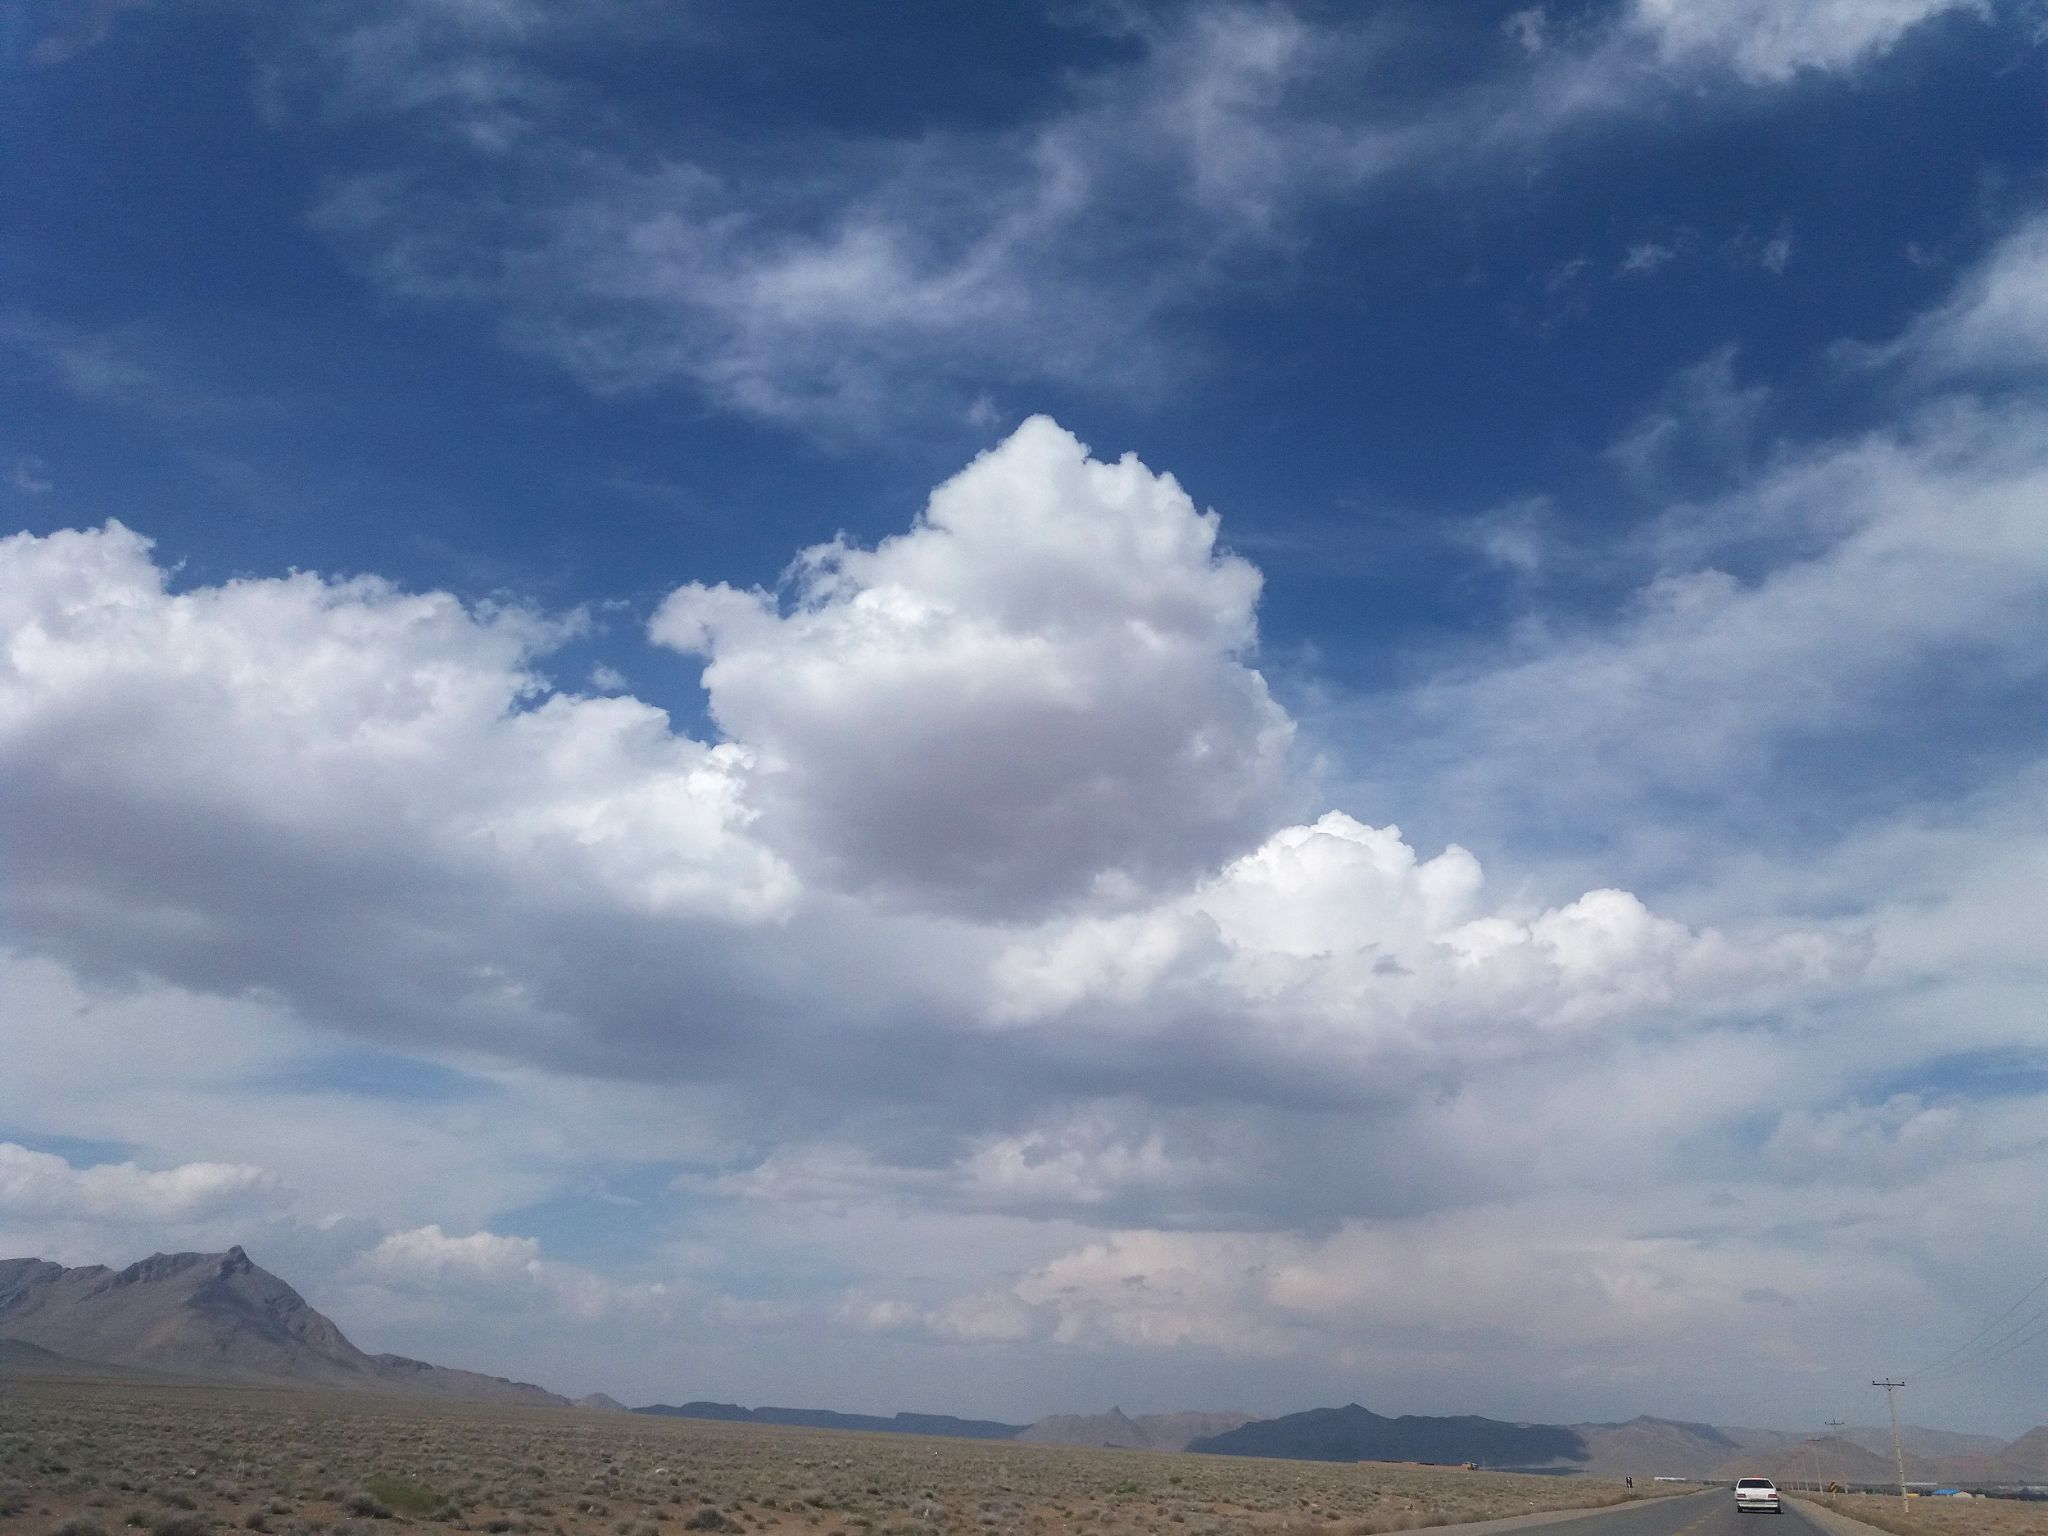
1944, 1517
105, 1458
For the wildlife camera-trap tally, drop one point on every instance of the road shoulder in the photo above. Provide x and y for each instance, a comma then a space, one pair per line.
1825, 1519
1547, 1517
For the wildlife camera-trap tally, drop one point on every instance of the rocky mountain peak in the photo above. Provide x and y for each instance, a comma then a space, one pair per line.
218, 1316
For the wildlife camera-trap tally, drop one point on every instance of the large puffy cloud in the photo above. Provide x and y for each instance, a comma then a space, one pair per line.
1342, 943
1000, 792
346, 710
1608, 1212
357, 798
998, 796
1192, 1024
1041, 690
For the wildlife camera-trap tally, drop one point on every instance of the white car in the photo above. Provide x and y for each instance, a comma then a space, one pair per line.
1756, 1493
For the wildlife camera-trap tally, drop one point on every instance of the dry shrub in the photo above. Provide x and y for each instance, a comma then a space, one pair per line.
401, 1494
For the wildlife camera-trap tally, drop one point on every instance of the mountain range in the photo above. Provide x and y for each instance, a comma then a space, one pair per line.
1354, 1433
941, 1424
1118, 1431
220, 1317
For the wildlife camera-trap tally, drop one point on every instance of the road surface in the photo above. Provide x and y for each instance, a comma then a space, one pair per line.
1712, 1513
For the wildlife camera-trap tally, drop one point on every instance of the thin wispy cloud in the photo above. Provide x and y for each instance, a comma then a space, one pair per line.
845, 284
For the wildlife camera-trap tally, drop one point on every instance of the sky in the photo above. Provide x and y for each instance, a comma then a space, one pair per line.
1001, 709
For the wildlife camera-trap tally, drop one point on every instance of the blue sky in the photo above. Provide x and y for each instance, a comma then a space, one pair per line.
996, 710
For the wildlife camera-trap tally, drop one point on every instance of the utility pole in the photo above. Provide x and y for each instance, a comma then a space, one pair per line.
1898, 1452
1834, 1425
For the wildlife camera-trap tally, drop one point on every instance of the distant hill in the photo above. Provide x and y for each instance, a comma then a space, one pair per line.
1116, 1430
211, 1316
941, 1424
1647, 1447
396, 1371
1797, 1460
18, 1357
601, 1402
1353, 1433
2029, 1453
1921, 1441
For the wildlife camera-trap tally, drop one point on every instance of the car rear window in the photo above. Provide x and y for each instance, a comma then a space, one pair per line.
1754, 1482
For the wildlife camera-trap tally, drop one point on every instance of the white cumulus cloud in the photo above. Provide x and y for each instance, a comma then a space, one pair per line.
430, 1267
41, 1184
1004, 794
319, 709
1043, 688
1338, 940
361, 799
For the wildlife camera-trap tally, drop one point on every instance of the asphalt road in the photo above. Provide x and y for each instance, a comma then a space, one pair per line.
1712, 1513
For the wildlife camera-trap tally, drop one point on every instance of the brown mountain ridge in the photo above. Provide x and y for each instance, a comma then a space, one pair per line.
214, 1317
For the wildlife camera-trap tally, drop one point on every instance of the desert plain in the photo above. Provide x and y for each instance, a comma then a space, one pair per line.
1943, 1517
106, 1458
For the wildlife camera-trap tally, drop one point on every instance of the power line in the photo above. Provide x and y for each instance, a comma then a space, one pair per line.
1991, 1340
2016, 1338
1941, 1360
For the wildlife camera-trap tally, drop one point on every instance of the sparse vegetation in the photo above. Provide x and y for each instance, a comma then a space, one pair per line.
209, 1461
1940, 1517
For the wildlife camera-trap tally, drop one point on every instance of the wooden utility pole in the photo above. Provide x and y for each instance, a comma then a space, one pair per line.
1898, 1452
1834, 1425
